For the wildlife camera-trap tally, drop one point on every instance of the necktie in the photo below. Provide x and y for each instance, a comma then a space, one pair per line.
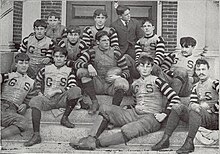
126, 24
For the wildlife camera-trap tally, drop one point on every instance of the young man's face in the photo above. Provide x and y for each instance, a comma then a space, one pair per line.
73, 37
59, 59
52, 21
100, 20
187, 51
104, 43
22, 66
40, 32
126, 16
144, 69
148, 28
202, 71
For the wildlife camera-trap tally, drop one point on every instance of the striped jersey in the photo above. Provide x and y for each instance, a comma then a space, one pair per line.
17, 88
153, 46
110, 58
37, 50
207, 91
55, 78
148, 94
74, 50
90, 32
177, 60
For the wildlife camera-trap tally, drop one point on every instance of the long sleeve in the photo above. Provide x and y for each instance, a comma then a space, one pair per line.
39, 80
85, 59
121, 62
167, 91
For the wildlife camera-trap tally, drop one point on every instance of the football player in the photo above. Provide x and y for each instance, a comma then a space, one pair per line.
16, 92
60, 91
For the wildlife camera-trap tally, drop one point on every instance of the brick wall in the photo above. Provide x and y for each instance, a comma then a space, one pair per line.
169, 24
17, 22
48, 6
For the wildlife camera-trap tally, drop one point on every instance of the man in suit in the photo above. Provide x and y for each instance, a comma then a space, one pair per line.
128, 30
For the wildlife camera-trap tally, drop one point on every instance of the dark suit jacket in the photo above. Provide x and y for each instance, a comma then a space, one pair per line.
128, 35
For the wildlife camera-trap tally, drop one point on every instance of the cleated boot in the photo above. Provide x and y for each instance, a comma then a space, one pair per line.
187, 147
85, 143
162, 144
36, 139
65, 122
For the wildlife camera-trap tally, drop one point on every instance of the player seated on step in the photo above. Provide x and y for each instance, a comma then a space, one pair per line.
180, 67
202, 110
60, 91
75, 47
103, 70
144, 118
16, 92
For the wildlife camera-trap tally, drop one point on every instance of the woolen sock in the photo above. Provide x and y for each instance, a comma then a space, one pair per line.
89, 88
172, 123
36, 117
195, 121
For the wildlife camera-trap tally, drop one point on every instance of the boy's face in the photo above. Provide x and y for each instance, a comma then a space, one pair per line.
126, 15
73, 37
148, 28
104, 43
22, 66
202, 71
100, 20
59, 59
39, 32
187, 51
52, 21
144, 69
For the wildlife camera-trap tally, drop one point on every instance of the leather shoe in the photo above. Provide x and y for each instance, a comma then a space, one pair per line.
34, 140
65, 122
162, 144
187, 147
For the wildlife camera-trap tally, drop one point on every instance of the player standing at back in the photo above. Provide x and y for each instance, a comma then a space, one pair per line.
100, 16
55, 30
38, 47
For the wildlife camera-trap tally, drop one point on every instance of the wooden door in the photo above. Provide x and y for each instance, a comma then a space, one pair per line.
81, 12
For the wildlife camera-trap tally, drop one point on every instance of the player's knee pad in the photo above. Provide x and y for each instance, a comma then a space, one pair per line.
74, 93
104, 110
121, 83
82, 72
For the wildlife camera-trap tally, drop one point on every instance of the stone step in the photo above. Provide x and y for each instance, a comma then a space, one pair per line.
80, 116
57, 133
54, 147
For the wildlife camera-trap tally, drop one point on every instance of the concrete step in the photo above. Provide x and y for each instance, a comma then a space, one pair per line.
54, 147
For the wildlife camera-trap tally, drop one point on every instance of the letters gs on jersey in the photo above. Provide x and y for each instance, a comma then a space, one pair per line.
49, 81
148, 88
33, 49
13, 82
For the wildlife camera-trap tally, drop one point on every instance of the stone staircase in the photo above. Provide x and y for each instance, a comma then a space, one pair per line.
56, 138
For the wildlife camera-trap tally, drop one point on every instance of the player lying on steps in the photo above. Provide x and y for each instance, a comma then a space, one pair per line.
144, 118
16, 92
60, 91
202, 110
103, 70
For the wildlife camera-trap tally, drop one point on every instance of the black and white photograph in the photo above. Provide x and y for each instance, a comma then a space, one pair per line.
109, 77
